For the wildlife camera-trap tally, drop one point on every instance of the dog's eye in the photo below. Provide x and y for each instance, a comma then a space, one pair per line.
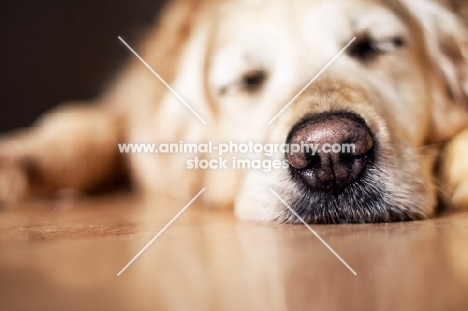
366, 49
253, 80
250, 82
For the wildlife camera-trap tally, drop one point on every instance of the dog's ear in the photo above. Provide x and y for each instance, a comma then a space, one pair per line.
445, 39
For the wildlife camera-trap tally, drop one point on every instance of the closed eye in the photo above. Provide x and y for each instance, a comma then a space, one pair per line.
250, 82
253, 80
367, 49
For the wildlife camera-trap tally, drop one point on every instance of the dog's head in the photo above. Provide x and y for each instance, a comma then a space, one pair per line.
394, 94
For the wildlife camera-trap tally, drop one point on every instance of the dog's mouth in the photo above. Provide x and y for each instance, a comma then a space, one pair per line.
364, 201
339, 177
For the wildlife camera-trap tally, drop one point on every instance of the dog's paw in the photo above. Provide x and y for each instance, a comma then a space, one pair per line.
14, 183
454, 172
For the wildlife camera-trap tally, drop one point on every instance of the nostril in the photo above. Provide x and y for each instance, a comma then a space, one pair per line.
313, 160
347, 158
303, 159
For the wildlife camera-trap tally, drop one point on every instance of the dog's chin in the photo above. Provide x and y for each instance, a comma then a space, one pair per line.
396, 186
368, 200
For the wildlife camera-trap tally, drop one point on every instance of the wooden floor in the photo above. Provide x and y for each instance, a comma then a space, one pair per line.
65, 255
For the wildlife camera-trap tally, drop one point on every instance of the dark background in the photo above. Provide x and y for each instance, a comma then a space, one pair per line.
53, 51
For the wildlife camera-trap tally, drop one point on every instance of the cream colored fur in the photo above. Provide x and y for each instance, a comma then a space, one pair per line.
414, 99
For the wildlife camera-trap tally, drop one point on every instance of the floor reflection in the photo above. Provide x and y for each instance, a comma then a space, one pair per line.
209, 260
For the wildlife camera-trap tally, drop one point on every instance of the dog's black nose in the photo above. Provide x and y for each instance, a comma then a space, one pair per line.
334, 150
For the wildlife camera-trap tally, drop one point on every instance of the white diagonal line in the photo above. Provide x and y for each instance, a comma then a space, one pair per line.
160, 232
312, 230
162, 80
312, 81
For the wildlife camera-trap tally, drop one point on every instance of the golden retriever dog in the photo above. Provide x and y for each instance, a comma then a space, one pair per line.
398, 93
